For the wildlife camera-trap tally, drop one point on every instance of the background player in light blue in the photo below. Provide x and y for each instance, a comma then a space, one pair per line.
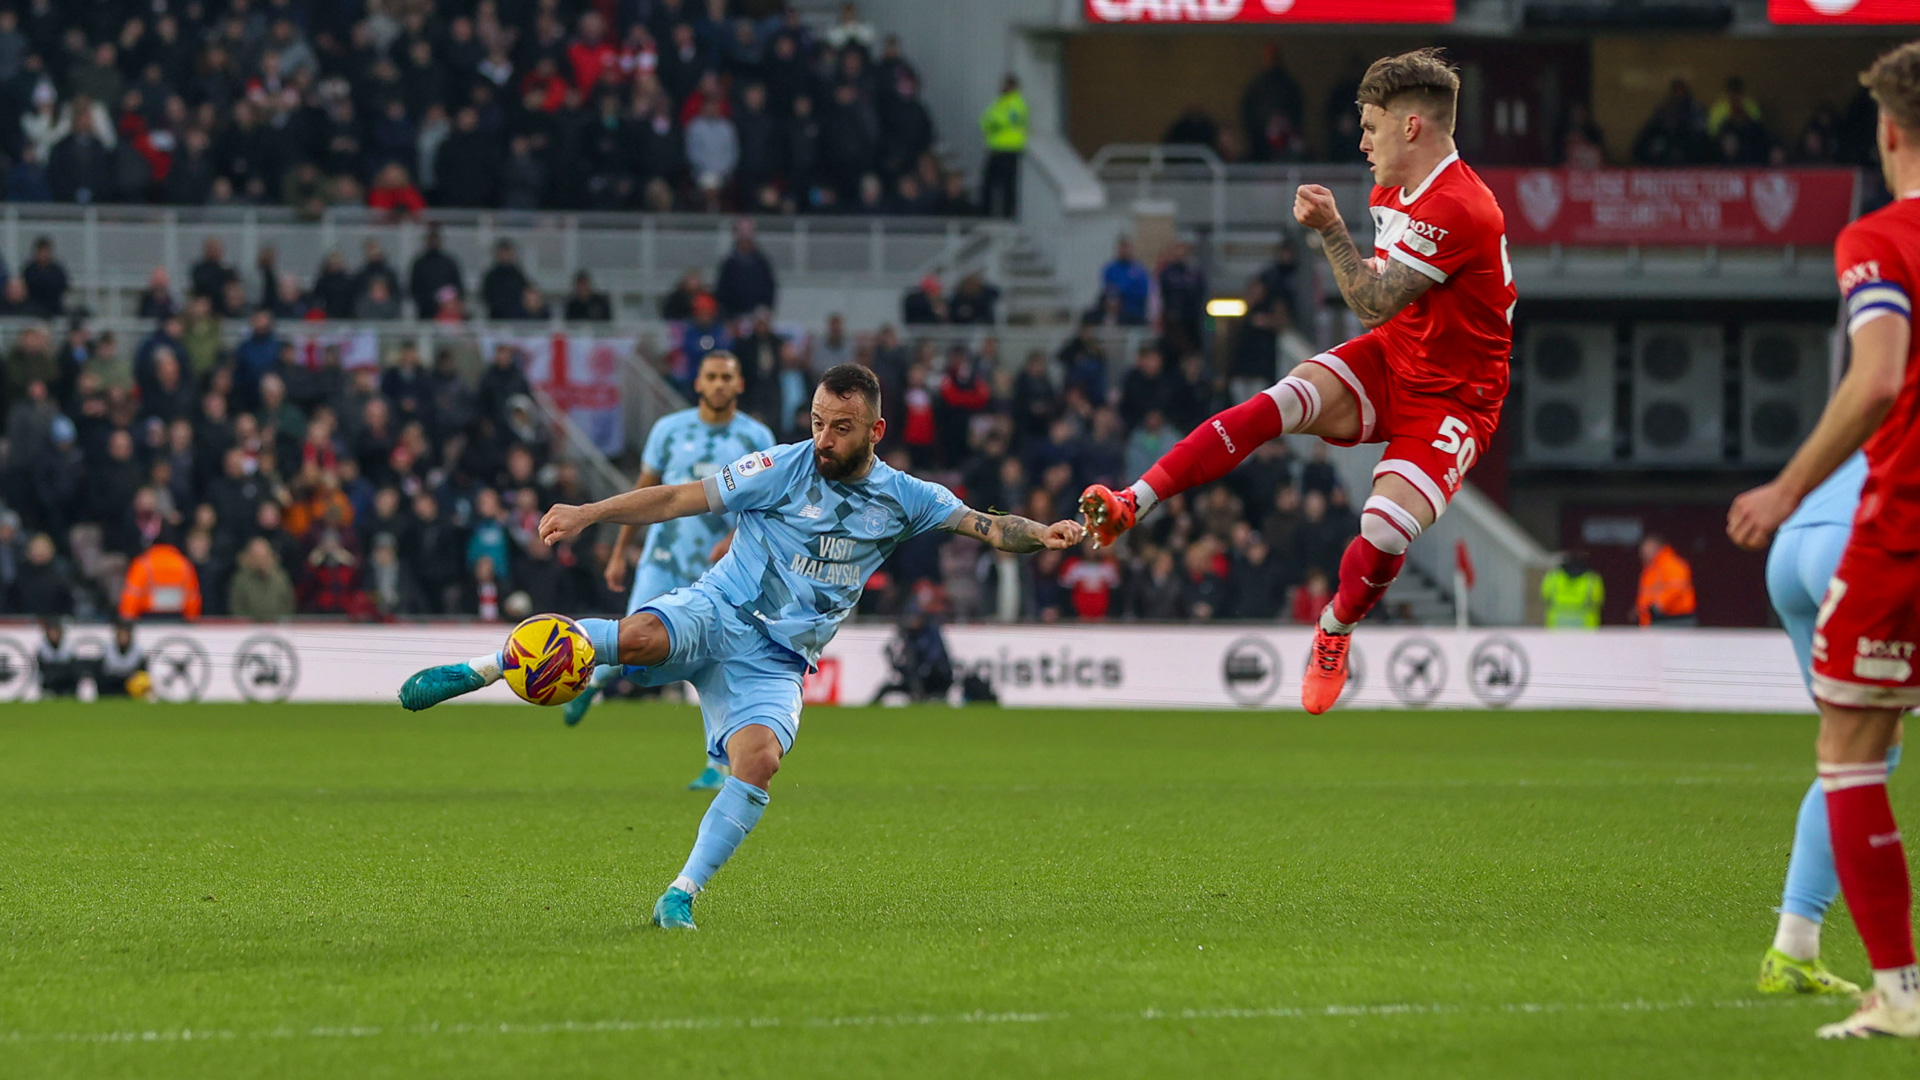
1805, 552
813, 522
683, 447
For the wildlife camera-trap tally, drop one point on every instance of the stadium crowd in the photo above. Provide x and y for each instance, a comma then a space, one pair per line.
280, 483
1731, 129
654, 104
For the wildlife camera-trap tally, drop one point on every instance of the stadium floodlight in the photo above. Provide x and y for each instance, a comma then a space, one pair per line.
1227, 307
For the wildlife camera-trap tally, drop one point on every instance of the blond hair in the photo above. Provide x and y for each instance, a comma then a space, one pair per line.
1422, 78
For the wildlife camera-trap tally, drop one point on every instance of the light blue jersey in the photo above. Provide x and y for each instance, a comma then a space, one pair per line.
1806, 552
804, 546
682, 449
1833, 502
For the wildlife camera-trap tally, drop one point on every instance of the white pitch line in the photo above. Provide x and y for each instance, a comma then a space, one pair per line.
1147, 1015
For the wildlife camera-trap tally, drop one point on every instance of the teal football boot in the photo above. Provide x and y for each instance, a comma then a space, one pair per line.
711, 778
425, 689
674, 910
576, 710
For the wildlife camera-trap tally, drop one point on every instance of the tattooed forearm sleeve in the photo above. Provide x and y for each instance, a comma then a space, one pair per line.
1007, 532
1375, 296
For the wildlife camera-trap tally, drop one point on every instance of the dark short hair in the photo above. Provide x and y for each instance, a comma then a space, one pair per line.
845, 380
724, 355
1422, 76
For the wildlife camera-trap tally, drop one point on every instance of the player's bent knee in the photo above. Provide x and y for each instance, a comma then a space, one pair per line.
754, 754
1387, 525
643, 639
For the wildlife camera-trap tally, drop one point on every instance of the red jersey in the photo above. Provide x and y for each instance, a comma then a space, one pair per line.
1457, 337
1877, 259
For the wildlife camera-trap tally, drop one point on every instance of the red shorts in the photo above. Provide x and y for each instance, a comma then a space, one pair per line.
1864, 636
1432, 439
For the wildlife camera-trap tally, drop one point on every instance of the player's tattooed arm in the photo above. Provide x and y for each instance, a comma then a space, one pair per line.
1013, 533
1375, 295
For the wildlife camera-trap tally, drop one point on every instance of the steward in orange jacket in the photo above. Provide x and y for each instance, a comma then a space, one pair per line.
1666, 585
160, 582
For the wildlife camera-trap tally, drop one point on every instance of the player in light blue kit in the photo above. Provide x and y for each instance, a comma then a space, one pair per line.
683, 447
813, 521
1805, 552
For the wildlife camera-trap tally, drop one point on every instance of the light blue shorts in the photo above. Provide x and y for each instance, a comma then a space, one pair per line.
1799, 566
742, 676
650, 580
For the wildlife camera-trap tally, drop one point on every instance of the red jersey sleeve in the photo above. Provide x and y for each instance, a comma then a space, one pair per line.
1874, 276
1440, 238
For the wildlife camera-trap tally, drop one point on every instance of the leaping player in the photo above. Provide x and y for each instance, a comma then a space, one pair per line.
1866, 628
1427, 379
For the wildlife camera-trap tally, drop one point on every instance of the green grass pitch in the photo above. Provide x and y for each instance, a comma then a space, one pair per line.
361, 892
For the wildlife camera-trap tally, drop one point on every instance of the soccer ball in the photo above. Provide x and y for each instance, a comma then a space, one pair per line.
548, 660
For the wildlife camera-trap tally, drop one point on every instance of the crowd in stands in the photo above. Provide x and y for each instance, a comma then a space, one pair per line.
1732, 129
644, 104
198, 473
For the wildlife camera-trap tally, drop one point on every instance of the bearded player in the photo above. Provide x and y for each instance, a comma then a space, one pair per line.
815, 520
1428, 378
1866, 627
683, 447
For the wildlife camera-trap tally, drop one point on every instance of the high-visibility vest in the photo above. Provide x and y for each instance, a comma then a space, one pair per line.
1005, 124
160, 581
1573, 603
1666, 587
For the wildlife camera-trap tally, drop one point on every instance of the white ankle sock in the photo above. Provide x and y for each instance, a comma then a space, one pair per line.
1145, 497
1899, 987
487, 667
1332, 625
685, 884
1798, 936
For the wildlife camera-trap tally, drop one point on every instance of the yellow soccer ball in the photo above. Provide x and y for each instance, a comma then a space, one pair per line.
548, 660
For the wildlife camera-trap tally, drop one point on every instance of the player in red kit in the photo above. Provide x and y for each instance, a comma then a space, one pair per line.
1864, 667
1428, 377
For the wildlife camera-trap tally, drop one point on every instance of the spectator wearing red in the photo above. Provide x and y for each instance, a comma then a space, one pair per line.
921, 432
545, 81
709, 89
1091, 582
591, 53
965, 392
1311, 598
393, 193
330, 582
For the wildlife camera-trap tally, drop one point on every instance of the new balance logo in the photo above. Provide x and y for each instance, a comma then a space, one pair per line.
1224, 437
810, 511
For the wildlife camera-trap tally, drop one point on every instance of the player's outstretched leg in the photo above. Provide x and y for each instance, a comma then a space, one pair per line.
1208, 453
1871, 863
755, 753
427, 688
1371, 563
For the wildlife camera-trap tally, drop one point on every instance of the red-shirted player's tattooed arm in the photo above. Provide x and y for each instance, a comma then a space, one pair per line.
1374, 295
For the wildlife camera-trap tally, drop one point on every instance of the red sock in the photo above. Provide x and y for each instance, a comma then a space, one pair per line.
1211, 450
1871, 861
1365, 573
